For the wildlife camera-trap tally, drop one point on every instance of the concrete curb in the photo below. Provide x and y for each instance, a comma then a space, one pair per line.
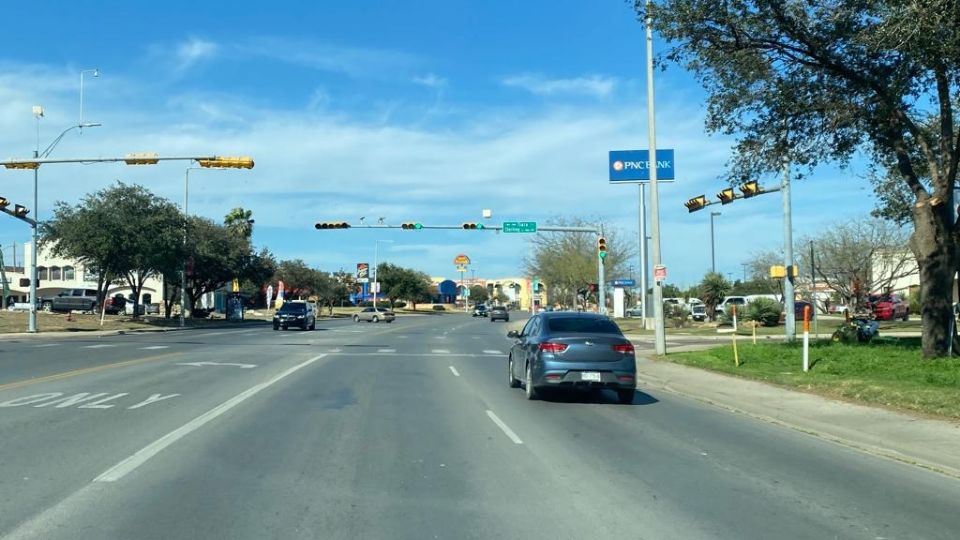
121, 331
866, 426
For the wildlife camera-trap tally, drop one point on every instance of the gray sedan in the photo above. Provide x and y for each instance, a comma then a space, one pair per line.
372, 314
572, 350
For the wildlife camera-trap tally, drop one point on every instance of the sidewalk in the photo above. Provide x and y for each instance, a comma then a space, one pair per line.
933, 444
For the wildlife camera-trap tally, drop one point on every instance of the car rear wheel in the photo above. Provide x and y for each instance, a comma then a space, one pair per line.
625, 397
376, 319
511, 381
47, 306
530, 390
356, 318
906, 317
313, 325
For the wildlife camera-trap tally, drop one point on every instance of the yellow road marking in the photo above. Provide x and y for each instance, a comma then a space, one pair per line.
83, 371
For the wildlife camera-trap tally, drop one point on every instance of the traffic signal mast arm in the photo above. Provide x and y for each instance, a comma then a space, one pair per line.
344, 225
134, 159
727, 196
21, 216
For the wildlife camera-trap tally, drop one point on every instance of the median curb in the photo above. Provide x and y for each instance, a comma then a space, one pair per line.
929, 443
122, 331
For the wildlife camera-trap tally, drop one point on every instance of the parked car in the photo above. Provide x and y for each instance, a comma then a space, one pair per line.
636, 311
116, 305
727, 305
572, 350
480, 310
375, 314
71, 300
499, 312
839, 309
887, 307
698, 312
295, 313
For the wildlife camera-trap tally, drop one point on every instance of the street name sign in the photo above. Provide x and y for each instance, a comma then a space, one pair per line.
519, 226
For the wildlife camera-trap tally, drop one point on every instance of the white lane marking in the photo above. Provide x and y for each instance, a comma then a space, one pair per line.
454, 370
75, 399
97, 346
248, 332
401, 337
47, 345
491, 351
99, 404
440, 351
140, 457
232, 364
335, 350
211, 334
155, 347
505, 428
386, 350
441, 337
152, 399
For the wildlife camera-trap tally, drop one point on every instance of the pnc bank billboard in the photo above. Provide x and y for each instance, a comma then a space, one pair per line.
634, 165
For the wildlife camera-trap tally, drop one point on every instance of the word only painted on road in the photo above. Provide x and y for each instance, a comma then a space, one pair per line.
85, 400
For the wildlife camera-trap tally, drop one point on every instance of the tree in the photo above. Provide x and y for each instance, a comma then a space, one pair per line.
713, 289
125, 231
567, 261
398, 283
239, 221
870, 253
813, 82
479, 294
299, 280
672, 291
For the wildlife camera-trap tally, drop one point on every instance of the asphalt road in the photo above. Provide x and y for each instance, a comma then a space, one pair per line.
405, 430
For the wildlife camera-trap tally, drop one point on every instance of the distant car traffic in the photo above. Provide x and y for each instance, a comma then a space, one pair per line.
727, 305
294, 313
572, 350
375, 314
499, 312
480, 311
698, 312
634, 312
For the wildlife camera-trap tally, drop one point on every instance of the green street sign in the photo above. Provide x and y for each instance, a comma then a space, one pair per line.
519, 226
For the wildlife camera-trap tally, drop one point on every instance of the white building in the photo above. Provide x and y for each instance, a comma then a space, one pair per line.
56, 274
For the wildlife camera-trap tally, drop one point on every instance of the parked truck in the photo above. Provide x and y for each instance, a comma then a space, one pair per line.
71, 300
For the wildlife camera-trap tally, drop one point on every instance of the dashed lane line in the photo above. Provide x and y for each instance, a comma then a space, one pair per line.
504, 427
455, 372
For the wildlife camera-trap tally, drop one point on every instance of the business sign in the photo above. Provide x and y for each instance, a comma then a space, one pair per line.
660, 272
634, 165
624, 283
461, 260
363, 272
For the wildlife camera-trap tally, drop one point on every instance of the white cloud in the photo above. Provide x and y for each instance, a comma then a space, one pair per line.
312, 54
597, 86
188, 53
431, 80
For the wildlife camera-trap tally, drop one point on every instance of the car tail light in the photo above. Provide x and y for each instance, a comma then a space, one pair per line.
553, 377
624, 348
553, 347
625, 378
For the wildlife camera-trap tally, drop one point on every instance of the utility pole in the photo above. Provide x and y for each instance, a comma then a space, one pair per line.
790, 332
660, 336
713, 250
644, 306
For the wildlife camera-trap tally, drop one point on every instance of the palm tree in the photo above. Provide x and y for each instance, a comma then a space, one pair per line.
713, 289
239, 221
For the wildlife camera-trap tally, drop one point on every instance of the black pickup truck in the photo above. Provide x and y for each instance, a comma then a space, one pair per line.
71, 300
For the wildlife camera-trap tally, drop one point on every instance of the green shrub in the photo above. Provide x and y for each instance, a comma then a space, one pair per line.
764, 311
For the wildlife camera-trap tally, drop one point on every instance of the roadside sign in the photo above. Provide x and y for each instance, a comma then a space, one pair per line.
519, 226
363, 272
624, 283
461, 260
628, 166
660, 272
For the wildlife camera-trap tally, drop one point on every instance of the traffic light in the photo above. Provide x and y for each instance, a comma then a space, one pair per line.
142, 158
602, 247
750, 189
473, 226
225, 162
21, 165
332, 225
696, 203
20, 211
726, 196
411, 226
4, 202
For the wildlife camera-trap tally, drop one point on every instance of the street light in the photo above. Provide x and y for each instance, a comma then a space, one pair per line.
376, 262
96, 74
713, 256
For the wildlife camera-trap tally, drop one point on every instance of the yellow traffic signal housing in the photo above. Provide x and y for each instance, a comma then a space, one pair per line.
142, 158
602, 247
21, 165
332, 225
750, 189
696, 203
225, 162
471, 225
778, 271
20, 210
411, 226
4, 202
726, 196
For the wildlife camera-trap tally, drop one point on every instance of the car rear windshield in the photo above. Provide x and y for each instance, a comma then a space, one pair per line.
293, 308
587, 325
498, 308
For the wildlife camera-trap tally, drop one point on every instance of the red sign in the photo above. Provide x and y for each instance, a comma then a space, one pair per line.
461, 260
660, 272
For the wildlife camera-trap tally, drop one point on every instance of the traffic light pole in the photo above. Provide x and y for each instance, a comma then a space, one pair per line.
790, 332
660, 335
601, 289
32, 321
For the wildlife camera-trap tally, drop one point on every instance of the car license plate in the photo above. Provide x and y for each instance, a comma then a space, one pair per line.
590, 376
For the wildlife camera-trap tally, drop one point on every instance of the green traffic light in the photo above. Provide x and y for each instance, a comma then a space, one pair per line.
417, 226
603, 254
479, 225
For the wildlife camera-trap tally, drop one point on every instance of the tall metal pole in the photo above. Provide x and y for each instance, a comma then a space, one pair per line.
601, 289
713, 247
660, 336
32, 322
376, 256
813, 292
644, 306
183, 270
790, 332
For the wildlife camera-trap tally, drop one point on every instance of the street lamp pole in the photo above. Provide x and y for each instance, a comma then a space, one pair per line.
183, 269
660, 335
376, 262
713, 253
96, 73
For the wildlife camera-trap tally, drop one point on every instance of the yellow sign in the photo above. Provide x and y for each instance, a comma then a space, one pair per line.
461, 260
236, 285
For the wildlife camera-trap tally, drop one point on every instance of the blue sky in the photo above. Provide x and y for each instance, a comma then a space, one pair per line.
428, 111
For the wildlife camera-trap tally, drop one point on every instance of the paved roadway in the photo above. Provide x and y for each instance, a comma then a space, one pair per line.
404, 430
